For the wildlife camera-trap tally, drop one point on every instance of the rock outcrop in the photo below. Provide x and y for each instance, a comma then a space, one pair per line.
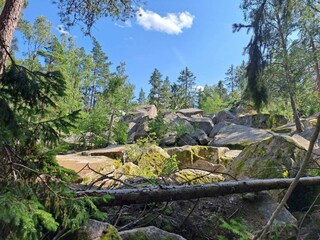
95, 230
277, 156
188, 155
238, 136
263, 121
195, 176
138, 121
191, 112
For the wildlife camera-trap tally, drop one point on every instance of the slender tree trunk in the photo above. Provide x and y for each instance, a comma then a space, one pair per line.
111, 126
287, 70
295, 114
9, 19
174, 193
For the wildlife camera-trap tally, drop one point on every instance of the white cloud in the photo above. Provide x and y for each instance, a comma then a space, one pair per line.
62, 30
126, 24
199, 88
172, 23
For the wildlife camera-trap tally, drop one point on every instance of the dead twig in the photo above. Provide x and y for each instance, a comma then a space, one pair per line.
189, 214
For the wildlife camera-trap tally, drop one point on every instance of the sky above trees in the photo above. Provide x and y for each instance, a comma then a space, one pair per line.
168, 35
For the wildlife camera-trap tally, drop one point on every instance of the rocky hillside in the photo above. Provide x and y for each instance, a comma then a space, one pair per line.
202, 149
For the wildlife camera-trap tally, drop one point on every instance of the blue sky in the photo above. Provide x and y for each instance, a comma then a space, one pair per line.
170, 35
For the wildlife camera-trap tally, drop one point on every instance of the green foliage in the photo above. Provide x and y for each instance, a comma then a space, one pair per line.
186, 83
22, 217
155, 91
181, 128
170, 165
36, 198
234, 227
121, 132
158, 126
142, 97
213, 104
86, 13
92, 127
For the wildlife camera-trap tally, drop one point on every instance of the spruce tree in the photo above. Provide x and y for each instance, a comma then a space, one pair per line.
186, 83
165, 94
142, 97
155, 91
175, 100
100, 73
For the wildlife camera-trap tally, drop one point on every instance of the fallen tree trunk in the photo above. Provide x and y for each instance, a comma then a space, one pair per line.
174, 193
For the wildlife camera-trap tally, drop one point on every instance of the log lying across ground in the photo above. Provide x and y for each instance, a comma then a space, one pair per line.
175, 193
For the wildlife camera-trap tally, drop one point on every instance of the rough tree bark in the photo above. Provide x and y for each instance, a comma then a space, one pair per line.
174, 193
9, 19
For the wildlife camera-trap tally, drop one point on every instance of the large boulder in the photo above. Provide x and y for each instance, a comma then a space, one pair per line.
238, 136
223, 115
168, 141
264, 121
195, 176
274, 157
187, 155
217, 127
94, 230
148, 233
139, 130
113, 151
169, 117
200, 136
203, 123
288, 128
191, 112
152, 161
138, 121
208, 166
149, 111
186, 139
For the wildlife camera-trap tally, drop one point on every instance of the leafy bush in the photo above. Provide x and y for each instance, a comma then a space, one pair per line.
158, 126
121, 132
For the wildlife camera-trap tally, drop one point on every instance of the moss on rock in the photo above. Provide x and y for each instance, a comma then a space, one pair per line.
278, 156
192, 176
187, 155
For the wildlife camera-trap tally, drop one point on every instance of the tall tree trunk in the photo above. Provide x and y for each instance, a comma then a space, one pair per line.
111, 126
9, 19
174, 193
287, 70
295, 113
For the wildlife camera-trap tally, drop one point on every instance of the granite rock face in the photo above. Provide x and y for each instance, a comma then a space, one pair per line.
238, 136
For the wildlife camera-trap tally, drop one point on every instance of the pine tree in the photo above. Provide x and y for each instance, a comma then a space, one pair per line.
186, 82
165, 95
142, 97
118, 96
175, 100
221, 90
230, 79
155, 91
100, 73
